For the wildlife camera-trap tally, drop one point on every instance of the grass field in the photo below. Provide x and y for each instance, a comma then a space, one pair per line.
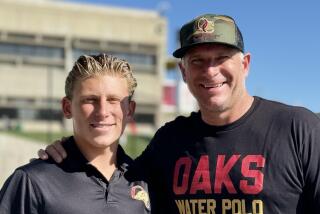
134, 144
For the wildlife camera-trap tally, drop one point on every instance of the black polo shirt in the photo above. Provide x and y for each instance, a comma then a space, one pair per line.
74, 187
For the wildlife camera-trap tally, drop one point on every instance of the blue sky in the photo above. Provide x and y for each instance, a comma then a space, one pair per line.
283, 37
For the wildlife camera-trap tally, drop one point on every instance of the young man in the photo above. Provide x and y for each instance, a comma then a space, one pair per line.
94, 177
239, 153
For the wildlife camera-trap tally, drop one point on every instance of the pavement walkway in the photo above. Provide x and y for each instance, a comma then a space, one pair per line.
14, 152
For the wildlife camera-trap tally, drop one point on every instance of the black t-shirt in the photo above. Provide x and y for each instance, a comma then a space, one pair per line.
74, 187
268, 161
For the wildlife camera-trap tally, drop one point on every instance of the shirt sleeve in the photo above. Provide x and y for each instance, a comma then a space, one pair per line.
311, 165
146, 161
149, 162
18, 195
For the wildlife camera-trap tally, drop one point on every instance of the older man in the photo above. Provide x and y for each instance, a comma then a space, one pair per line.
239, 153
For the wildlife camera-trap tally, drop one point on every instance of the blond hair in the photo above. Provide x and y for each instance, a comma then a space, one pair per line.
88, 66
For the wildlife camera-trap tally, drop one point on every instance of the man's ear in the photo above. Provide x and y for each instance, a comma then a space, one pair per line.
246, 63
66, 107
130, 113
182, 70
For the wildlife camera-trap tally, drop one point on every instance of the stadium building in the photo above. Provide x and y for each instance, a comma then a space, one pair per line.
40, 40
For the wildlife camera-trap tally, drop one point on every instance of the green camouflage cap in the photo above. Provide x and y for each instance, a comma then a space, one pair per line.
209, 28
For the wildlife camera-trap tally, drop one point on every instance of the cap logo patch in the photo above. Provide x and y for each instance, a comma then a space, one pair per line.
138, 193
204, 26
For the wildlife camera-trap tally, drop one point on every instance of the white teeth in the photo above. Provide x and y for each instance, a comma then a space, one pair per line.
95, 125
213, 85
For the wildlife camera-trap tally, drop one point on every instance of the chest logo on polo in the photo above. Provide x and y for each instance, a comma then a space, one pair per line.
138, 193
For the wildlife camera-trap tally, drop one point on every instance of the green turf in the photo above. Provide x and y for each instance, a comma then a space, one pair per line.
39, 136
133, 147
136, 144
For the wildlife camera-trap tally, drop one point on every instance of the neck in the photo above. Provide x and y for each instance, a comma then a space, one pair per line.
103, 159
228, 115
106, 164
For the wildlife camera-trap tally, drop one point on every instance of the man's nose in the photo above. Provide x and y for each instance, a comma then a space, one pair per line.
102, 109
212, 69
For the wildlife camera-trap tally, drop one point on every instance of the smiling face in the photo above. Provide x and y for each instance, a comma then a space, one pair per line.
100, 108
215, 75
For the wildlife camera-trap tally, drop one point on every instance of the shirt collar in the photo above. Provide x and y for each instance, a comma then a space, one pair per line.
76, 161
